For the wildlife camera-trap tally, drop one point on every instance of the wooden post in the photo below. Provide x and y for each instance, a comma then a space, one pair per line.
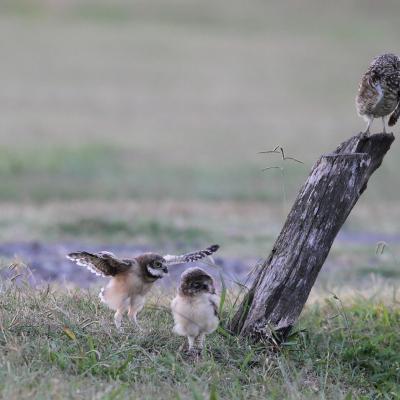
284, 281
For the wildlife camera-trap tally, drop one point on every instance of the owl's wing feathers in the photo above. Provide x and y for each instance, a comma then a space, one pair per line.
394, 116
191, 257
214, 306
395, 83
103, 263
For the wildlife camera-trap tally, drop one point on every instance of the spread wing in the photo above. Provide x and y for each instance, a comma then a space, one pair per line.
191, 257
103, 263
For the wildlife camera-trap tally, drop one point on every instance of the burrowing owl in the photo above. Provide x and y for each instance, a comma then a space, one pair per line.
131, 278
195, 308
379, 90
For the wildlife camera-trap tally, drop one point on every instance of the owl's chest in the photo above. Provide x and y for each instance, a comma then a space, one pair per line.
134, 284
388, 99
138, 286
377, 98
197, 310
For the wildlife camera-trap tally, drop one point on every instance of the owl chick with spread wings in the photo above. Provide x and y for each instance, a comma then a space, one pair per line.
195, 308
131, 279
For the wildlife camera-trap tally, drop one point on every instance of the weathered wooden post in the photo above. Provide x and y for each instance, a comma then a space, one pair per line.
279, 292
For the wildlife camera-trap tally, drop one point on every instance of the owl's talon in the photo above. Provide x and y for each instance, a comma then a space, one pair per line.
194, 354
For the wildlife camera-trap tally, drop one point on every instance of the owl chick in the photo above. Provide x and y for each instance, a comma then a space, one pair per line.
131, 279
379, 91
195, 308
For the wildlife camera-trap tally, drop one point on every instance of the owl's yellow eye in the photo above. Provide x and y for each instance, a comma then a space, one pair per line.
157, 264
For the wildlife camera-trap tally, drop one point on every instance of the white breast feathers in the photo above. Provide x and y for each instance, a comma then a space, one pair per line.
195, 315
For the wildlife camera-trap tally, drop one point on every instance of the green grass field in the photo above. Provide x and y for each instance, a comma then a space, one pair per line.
62, 344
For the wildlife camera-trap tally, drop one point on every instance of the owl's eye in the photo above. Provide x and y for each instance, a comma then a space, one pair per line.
157, 264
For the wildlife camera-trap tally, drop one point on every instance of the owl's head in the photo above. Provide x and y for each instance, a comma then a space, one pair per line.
394, 61
388, 62
153, 265
195, 281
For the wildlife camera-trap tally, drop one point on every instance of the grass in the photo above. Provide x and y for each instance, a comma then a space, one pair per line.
152, 223
103, 170
62, 344
158, 231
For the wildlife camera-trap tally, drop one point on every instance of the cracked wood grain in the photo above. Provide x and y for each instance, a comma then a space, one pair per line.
284, 281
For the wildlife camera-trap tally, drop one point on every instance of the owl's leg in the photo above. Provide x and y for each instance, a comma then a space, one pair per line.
199, 343
191, 342
118, 317
132, 315
136, 305
368, 126
193, 352
384, 126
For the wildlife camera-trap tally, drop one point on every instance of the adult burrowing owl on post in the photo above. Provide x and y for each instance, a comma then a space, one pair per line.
379, 90
131, 279
195, 308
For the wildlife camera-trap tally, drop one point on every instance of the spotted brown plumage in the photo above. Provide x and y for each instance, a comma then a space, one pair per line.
131, 279
379, 90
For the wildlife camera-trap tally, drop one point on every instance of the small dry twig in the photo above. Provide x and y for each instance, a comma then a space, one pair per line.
280, 150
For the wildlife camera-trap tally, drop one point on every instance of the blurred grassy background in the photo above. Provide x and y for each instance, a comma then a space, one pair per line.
142, 120
174, 99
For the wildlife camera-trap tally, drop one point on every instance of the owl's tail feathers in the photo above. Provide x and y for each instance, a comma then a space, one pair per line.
394, 116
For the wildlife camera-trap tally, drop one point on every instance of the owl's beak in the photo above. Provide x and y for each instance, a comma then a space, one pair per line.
165, 269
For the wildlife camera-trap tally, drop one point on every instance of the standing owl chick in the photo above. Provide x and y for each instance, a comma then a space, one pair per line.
131, 279
195, 308
379, 91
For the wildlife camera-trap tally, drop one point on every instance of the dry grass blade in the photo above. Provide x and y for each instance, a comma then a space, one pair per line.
280, 150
